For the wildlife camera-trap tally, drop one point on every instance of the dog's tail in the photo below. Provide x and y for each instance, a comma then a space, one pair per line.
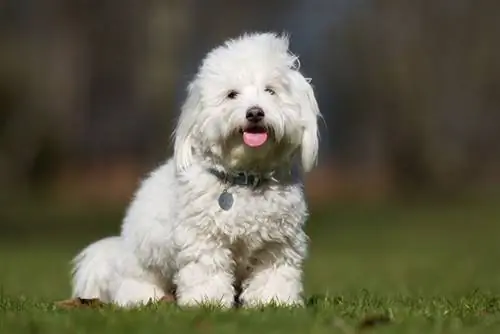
94, 271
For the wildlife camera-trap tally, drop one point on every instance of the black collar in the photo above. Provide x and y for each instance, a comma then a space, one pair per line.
242, 178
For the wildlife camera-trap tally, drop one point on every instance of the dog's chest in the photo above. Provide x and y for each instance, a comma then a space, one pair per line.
257, 215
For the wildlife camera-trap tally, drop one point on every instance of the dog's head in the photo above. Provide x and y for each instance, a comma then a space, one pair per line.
249, 108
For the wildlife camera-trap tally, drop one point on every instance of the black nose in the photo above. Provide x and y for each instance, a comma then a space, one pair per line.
255, 114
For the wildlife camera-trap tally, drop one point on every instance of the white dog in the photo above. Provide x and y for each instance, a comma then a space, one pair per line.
227, 212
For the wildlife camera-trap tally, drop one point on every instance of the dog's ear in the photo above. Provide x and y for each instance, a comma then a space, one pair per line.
309, 116
183, 146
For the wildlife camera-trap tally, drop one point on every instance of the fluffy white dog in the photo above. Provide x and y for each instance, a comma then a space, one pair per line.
227, 212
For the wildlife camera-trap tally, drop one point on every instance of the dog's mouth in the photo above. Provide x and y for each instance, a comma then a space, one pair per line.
255, 136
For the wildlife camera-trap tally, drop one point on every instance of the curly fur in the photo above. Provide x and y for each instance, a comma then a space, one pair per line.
175, 234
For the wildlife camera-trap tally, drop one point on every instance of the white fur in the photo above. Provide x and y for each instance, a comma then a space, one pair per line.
174, 232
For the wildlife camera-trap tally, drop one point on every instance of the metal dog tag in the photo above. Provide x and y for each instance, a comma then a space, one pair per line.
226, 200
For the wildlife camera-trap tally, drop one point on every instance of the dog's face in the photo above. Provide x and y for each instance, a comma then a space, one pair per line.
249, 108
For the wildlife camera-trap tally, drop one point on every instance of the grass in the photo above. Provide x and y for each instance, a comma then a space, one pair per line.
419, 268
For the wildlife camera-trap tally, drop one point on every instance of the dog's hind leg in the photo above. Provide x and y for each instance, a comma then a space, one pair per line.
108, 271
135, 292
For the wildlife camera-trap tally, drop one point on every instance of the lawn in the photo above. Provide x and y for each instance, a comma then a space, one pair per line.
388, 268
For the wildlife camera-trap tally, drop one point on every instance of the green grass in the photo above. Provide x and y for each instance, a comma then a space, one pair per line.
427, 268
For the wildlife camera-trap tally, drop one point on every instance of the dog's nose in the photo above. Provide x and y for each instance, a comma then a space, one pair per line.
255, 114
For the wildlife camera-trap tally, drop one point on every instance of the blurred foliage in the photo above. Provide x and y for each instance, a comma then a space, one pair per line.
410, 90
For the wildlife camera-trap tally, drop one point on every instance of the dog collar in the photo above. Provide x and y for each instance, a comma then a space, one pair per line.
241, 178
226, 198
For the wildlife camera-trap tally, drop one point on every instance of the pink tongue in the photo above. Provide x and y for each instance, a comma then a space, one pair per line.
254, 139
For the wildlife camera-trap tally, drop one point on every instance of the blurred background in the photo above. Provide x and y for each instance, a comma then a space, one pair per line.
90, 91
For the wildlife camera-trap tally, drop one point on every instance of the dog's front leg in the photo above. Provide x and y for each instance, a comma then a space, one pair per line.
205, 275
276, 278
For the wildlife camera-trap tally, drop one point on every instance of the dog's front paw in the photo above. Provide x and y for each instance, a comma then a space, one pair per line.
211, 291
278, 286
207, 280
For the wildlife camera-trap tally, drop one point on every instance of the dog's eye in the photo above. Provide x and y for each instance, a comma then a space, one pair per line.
232, 94
270, 91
